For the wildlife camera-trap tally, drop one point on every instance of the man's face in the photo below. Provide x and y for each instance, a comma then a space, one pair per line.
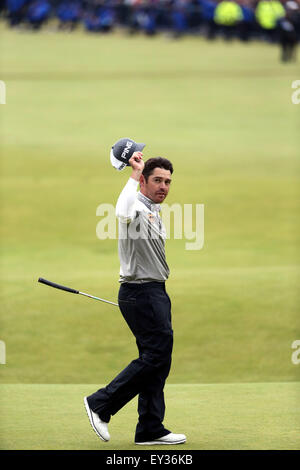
157, 186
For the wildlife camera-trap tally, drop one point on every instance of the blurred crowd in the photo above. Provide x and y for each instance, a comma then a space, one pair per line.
271, 20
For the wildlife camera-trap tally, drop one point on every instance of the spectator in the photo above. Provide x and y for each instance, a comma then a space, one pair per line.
246, 27
145, 18
228, 14
208, 12
2, 6
99, 18
194, 19
69, 14
267, 14
287, 32
16, 10
38, 13
179, 18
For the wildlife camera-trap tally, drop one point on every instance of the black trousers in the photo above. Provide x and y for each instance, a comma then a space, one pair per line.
147, 310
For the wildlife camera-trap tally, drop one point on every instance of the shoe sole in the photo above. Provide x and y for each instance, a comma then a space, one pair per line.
88, 411
155, 443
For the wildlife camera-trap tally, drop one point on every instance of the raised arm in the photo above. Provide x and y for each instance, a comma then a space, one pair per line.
125, 208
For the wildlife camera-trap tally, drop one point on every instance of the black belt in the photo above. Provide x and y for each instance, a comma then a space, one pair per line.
145, 285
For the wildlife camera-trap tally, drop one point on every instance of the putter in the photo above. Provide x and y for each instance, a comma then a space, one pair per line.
73, 291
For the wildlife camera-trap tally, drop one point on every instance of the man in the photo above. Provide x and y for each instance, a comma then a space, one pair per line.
287, 27
145, 306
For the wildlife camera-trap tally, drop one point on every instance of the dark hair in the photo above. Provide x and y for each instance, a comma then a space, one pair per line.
157, 162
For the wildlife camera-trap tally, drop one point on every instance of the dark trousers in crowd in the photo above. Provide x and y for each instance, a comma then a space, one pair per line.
288, 42
146, 308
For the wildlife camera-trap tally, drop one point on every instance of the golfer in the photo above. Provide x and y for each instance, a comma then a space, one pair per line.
145, 306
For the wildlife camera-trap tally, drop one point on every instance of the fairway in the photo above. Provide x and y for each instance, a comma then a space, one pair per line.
223, 114
214, 416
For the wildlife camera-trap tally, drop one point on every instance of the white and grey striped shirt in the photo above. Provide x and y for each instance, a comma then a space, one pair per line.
142, 237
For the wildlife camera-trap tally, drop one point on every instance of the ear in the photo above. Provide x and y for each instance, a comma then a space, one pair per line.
142, 181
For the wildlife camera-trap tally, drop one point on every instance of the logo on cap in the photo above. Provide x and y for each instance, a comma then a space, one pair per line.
126, 150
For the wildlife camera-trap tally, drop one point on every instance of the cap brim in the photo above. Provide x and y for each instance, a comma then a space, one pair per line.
117, 164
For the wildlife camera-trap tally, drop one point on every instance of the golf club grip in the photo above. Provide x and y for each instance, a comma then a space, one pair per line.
57, 286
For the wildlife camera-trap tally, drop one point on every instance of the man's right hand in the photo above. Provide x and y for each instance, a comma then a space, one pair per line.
137, 164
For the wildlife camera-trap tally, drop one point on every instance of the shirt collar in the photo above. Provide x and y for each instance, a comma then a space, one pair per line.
152, 206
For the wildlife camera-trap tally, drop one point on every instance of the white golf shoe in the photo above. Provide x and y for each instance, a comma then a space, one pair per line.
99, 426
168, 439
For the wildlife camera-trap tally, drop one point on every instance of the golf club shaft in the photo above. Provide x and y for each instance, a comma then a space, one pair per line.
98, 298
73, 291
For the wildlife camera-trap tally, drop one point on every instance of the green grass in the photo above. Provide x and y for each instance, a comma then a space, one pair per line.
213, 416
223, 114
